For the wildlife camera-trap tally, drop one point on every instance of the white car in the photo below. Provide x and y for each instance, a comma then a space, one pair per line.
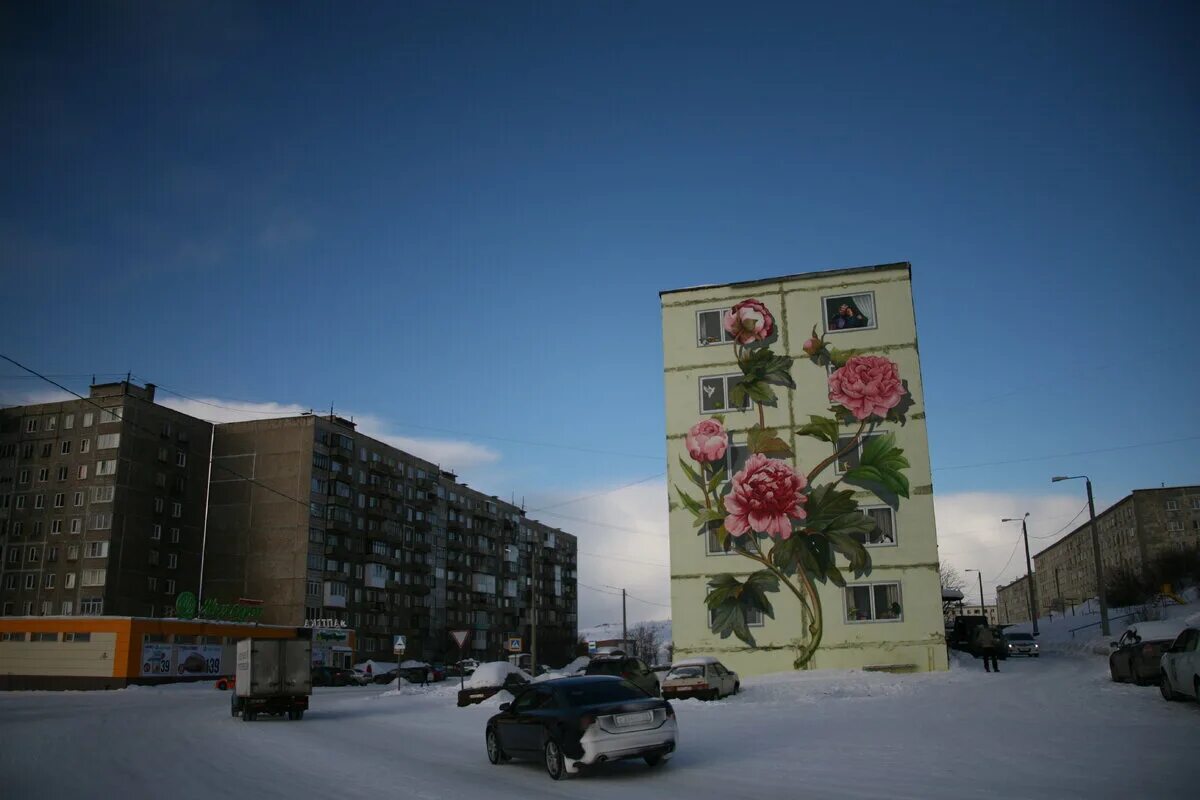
1180, 667
703, 677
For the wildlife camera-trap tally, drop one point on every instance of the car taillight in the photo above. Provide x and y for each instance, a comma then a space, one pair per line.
586, 722
701, 685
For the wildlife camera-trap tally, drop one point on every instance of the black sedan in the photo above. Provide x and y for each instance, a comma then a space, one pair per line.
571, 723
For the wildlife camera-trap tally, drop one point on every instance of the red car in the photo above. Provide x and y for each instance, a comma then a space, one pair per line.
226, 682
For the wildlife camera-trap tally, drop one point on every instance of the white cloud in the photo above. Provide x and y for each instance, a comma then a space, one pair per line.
25, 397
622, 543
971, 535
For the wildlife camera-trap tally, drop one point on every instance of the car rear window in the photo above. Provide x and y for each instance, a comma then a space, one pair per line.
686, 672
604, 668
589, 694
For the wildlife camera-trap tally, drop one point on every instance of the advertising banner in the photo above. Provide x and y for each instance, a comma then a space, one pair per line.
156, 659
198, 659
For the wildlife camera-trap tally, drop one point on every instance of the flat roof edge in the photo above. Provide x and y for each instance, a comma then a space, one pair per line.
796, 276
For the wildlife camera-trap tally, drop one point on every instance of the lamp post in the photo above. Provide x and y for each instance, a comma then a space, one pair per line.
1095, 548
1033, 612
982, 605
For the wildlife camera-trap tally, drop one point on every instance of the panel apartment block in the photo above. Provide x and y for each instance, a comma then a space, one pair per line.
338, 527
101, 504
699, 361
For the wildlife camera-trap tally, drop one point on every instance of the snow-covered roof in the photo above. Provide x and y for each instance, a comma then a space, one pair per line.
1157, 631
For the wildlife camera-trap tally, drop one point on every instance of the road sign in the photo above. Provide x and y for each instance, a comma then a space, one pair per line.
514, 644
399, 644
460, 637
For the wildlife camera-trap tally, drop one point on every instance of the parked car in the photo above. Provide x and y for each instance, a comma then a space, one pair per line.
385, 677
1179, 673
226, 682
704, 677
1019, 644
489, 679
571, 723
333, 676
633, 670
361, 678
1137, 653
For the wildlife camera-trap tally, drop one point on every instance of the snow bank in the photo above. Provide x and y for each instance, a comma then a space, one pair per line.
495, 673
576, 667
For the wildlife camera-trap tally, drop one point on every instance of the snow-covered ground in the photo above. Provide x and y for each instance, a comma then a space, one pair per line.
1053, 727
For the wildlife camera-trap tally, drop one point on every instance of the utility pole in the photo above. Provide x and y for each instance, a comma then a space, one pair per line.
1058, 590
1100, 594
624, 633
533, 591
1033, 612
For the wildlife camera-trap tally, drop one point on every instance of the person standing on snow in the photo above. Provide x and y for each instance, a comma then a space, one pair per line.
985, 643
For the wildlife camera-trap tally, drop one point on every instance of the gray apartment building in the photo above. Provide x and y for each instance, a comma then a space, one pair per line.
101, 504
337, 528
1146, 525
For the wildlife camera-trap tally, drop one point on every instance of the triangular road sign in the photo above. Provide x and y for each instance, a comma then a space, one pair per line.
460, 637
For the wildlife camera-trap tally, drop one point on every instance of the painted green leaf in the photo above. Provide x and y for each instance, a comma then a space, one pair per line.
755, 389
825, 504
690, 471
767, 441
881, 463
852, 549
732, 601
688, 502
835, 576
823, 428
715, 480
817, 546
839, 357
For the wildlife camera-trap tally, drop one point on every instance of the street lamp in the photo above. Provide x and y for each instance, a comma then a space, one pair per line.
982, 605
1095, 548
1033, 612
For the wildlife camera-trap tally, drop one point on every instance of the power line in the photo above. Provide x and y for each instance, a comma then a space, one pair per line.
630, 560
1068, 455
1006, 563
603, 524
597, 494
1064, 527
509, 440
650, 602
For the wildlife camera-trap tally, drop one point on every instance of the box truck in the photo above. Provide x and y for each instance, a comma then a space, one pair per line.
274, 676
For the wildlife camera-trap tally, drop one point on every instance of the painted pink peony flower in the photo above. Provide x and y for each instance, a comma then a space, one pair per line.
867, 385
707, 441
767, 495
749, 321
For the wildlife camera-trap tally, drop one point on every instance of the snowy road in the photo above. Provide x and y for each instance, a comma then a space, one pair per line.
1052, 727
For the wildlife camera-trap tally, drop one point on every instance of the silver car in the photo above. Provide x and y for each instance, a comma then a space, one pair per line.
1021, 644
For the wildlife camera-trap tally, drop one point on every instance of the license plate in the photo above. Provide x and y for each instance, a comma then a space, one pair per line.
634, 719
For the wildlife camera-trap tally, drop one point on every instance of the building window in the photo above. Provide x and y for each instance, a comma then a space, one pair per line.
91, 606
48, 583
172, 561
1174, 525
44, 474
85, 445
106, 467
78, 499
108, 441
68, 608
96, 550
83, 472
76, 525
101, 522
873, 602
170, 586
174, 535
847, 312
31, 425
20, 503
39, 501
1172, 505
103, 494
60, 499
156, 532
152, 583
56, 526
73, 552
69, 581
51, 423
34, 555
152, 557
885, 528
710, 327
66, 447
850, 460
30, 580
10, 581
93, 577
1196, 503
23, 476
158, 505
715, 394
181, 459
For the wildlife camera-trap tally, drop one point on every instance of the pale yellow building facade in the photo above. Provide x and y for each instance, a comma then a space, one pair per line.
890, 618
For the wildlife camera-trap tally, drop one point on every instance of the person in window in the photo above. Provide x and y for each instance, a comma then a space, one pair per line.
848, 316
985, 645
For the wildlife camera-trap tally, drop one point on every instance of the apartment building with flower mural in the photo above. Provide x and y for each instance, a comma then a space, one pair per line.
802, 529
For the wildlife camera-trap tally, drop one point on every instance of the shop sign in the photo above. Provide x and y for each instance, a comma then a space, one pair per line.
325, 623
198, 659
156, 660
331, 635
186, 608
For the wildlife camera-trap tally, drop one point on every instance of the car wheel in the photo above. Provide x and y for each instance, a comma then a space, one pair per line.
653, 759
495, 752
555, 766
1112, 672
1164, 687
737, 687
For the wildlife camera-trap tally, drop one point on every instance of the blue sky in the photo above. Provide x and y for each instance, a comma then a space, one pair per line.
455, 218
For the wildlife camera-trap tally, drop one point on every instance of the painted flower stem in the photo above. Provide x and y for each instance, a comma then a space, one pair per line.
862, 426
816, 628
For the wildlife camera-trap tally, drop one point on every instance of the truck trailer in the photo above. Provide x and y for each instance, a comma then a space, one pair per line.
274, 676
